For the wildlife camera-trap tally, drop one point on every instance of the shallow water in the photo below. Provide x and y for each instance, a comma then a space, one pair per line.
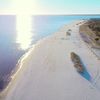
12, 39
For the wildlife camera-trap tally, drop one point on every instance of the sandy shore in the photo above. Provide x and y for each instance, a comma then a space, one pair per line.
48, 74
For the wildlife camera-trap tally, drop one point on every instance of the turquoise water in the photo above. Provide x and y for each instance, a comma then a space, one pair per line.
10, 52
47, 25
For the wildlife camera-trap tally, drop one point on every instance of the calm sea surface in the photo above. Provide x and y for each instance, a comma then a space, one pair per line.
14, 42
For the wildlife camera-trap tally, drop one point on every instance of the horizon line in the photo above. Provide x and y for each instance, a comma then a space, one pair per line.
75, 14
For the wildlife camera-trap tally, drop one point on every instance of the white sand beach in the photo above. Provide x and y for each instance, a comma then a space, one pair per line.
47, 73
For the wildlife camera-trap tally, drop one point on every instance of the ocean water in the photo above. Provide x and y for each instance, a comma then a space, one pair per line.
15, 43
47, 25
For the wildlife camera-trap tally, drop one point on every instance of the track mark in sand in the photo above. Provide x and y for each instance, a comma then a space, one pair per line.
95, 80
76, 41
50, 64
63, 38
50, 61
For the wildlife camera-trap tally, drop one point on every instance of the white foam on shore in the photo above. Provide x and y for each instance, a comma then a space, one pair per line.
48, 74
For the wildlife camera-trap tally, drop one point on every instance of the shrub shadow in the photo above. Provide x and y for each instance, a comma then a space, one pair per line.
85, 74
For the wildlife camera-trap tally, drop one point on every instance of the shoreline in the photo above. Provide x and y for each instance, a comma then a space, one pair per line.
18, 69
15, 75
44, 62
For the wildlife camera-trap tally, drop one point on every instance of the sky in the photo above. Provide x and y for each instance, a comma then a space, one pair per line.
50, 6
